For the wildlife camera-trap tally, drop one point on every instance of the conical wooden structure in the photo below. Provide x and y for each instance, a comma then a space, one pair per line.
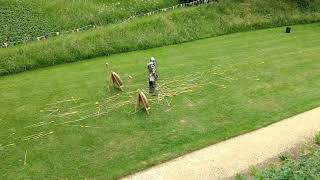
143, 102
114, 80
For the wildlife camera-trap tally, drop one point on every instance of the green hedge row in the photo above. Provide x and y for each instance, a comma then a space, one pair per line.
164, 29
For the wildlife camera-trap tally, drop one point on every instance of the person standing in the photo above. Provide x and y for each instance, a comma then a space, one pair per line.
152, 75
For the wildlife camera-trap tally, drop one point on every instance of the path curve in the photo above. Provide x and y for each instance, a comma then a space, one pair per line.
238, 154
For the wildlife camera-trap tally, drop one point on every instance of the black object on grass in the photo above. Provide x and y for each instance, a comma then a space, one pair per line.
288, 29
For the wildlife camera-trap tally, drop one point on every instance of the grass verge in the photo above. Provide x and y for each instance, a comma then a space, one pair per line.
174, 27
61, 122
306, 166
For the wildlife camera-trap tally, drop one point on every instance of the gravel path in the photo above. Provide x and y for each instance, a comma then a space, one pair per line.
238, 154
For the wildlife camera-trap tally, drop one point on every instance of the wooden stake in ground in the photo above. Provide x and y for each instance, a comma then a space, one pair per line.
108, 75
114, 80
142, 101
25, 159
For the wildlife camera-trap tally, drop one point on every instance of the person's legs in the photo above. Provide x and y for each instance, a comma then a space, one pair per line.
151, 90
152, 87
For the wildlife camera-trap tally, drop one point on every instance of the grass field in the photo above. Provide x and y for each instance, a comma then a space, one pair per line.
23, 19
62, 122
173, 27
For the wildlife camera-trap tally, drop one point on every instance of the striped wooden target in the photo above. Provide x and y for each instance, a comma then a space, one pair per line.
116, 80
143, 102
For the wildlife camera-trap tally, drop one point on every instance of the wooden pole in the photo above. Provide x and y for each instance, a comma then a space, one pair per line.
130, 81
109, 80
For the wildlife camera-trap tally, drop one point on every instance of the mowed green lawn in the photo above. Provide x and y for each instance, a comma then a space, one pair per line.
62, 122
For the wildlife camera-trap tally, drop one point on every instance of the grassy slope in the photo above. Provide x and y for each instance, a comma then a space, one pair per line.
268, 75
168, 28
22, 19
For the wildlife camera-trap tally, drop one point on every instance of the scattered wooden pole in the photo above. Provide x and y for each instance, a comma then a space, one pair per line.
25, 159
108, 75
130, 82
142, 101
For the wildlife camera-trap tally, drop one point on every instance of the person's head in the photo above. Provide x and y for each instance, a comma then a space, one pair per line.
153, 60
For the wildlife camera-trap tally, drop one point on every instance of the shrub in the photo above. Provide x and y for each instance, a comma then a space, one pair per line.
309, 5
304, 4
307, 166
